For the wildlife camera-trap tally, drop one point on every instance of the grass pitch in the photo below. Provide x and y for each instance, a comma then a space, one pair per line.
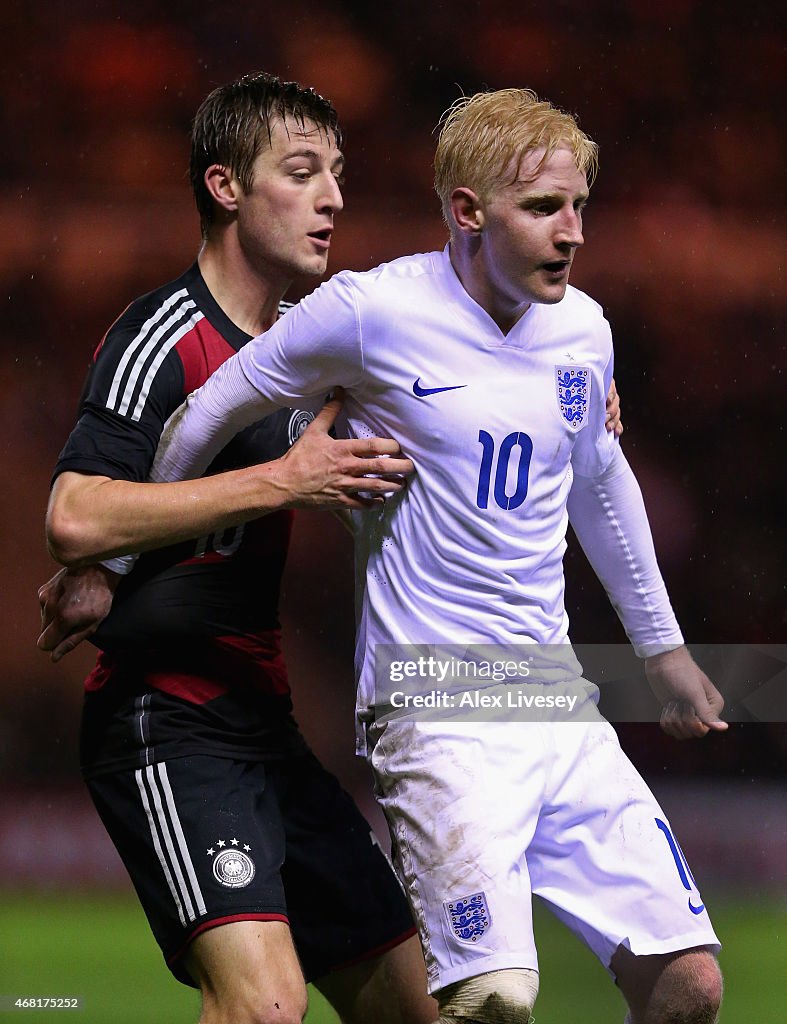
100, 949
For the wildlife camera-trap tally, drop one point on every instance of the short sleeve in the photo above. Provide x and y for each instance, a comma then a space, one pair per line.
119, 424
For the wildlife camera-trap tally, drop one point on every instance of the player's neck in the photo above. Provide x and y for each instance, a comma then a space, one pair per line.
250, 300
469, 268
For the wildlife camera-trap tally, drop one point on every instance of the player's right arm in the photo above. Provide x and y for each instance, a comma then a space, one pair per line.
316, 471
101, 504
94, 517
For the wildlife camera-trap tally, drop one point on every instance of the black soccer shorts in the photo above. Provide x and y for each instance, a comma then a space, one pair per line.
209, 840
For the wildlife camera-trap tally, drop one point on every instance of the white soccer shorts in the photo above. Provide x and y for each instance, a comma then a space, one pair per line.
482, 815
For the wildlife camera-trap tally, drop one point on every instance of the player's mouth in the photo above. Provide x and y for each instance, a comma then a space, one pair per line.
557, 269
322, 239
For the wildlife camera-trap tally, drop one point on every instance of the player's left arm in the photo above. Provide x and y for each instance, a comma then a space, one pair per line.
608, 515
609, 518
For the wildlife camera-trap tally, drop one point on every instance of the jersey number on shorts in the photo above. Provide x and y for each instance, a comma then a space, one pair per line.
504, 471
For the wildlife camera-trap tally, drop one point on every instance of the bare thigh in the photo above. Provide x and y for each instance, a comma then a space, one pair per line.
248, 973
388, 989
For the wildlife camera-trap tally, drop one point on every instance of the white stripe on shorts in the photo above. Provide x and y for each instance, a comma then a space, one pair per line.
167, 854
182, 846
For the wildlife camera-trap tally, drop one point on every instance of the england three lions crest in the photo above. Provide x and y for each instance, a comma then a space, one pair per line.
573, 394
469, 916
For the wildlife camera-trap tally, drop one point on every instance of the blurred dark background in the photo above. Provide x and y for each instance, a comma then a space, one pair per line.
684, 248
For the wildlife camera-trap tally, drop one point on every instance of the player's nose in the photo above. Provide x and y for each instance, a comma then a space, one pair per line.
569, 229
330, 197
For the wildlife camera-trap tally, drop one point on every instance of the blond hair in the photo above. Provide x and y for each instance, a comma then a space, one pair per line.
481, 136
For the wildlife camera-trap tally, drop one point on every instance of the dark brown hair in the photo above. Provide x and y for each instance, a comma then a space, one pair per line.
234, 123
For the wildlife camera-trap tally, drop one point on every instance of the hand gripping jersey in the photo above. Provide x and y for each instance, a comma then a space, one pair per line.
198, 621
497, 426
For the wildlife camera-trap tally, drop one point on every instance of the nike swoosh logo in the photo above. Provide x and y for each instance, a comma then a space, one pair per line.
696, 910
420, 392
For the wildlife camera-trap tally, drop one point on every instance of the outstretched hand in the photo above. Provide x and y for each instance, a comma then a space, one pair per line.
74, 603
691, 704
320, 471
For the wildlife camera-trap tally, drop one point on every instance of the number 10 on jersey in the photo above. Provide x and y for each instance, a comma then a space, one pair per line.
497, 460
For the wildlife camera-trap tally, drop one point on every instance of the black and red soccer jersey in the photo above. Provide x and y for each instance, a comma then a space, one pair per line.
190, 655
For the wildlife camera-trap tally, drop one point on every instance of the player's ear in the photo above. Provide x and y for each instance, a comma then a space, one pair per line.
222, 187
467, 211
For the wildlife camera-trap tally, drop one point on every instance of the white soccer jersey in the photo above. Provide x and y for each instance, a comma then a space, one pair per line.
496, 425
471, 552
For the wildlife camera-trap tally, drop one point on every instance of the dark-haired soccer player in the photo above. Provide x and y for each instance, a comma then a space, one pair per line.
254, 867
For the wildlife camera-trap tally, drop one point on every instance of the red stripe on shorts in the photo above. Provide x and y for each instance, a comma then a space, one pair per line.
216, 921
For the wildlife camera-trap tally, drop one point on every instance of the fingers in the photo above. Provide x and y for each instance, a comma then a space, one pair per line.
680, 720
713, 708
385, 475
45, 640
53, 632
359, 501
614, 425
48, 615
358, 484
73, 605
326, 417
49, 591
613, 421
52, 639
345, 473
362, 447
373, 455
380, 467
46, 619
368, 447
74, 640
714, 723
